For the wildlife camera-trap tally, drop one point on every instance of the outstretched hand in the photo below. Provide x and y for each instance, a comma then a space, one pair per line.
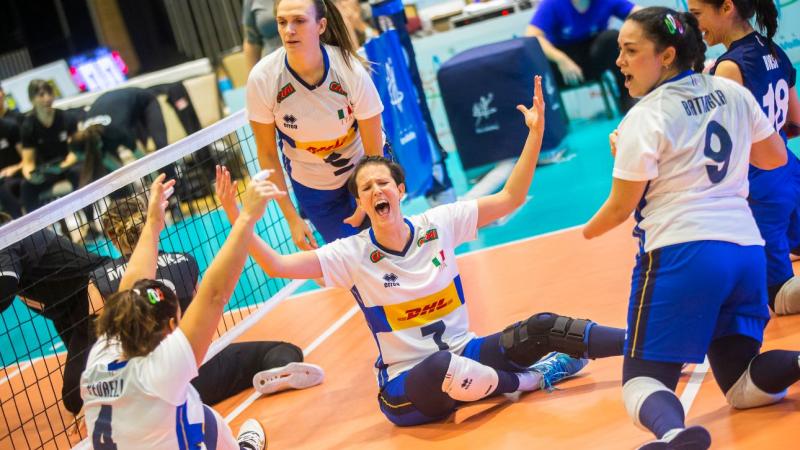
258, 193
160, 191
226, 192
534, 116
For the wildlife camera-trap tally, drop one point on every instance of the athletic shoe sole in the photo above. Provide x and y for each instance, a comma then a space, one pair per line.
692, 438
291, 376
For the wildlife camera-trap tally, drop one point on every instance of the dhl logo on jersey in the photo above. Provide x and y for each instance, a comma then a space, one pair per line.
325, 148
424, 310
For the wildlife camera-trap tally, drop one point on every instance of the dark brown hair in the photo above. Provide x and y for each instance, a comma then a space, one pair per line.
394, 169
765, 11
38, 85
335, 33
668, 28
138, 318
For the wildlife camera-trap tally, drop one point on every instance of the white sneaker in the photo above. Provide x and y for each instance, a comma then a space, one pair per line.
291, 376
251, 435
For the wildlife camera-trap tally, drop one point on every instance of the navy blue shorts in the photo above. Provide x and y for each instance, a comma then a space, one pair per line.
396, 406
774, 200
327, 208
684, 296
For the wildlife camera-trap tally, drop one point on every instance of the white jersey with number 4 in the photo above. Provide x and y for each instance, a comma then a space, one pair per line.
413, 300
317, 124
145, 402
690, 138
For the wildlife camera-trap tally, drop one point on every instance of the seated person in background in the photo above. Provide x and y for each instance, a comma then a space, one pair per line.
267, 366
574, 36
50, 274
10, 167
8, 113
113, 124
46, 155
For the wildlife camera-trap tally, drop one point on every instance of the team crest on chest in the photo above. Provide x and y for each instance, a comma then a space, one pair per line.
430, 235
285, 92
376, 256
336, 87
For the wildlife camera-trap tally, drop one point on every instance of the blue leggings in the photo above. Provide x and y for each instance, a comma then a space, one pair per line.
416, 397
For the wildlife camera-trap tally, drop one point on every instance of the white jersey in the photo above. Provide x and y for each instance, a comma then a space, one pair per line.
145, 402
690, 139
412, 300
318, 124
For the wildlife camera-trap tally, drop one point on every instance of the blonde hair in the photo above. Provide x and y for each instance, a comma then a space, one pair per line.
123, 222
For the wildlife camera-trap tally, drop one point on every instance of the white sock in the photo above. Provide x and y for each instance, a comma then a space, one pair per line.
529, 381
670, 435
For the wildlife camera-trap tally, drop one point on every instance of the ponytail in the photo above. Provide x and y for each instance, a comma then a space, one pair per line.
91, 140
668, 28
766, 17
138, 318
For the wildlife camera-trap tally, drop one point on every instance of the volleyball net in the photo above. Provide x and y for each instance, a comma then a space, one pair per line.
55, 251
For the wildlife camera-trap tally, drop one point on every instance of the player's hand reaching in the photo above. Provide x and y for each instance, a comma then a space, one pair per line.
226, 193
612, 142
356, 219
255, 198
302, 236
160, 192
534, 116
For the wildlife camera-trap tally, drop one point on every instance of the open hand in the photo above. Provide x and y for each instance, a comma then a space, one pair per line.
157, 203
534, 116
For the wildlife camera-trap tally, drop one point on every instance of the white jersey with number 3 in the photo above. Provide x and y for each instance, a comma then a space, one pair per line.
145, 402
690, 138
318, 124
413, 300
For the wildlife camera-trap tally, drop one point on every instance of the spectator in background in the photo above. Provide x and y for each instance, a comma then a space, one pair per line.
46, 154
6, 112
260, 30
574, 36
114, 122
10, 167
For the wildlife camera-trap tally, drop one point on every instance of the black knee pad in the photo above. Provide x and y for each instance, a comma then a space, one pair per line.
528, 341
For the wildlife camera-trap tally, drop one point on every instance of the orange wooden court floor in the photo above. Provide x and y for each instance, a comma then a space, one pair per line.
560, 272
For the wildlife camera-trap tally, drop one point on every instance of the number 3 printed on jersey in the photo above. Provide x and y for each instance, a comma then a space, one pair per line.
776, 102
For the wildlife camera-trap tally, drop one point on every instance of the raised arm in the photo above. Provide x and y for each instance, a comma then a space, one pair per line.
143, 261
513, 194
268, 158
301, 265
204, 313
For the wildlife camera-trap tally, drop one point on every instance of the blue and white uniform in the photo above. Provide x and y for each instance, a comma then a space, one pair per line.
318, 130
701, 260
774, 194
147, 402
412, 300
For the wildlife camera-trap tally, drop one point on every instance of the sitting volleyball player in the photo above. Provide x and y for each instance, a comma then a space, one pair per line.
699, 285
429, 361
267, 366
136, 388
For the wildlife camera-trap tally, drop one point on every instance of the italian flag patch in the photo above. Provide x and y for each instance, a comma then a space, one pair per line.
437, 261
